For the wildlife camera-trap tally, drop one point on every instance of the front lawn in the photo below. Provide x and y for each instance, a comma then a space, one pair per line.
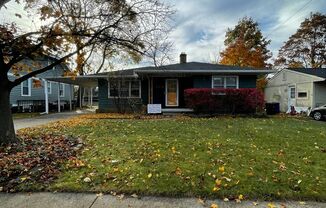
272, 158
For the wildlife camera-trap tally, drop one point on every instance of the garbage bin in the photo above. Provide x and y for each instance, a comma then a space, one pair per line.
272, 108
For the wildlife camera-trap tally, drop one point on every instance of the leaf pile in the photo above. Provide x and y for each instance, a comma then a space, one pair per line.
36, 161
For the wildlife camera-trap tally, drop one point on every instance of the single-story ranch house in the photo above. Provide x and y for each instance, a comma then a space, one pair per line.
300, 88
163, 85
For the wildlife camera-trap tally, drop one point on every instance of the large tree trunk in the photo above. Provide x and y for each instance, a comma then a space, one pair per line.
7, 130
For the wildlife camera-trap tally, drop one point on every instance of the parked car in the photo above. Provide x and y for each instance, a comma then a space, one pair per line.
318, 113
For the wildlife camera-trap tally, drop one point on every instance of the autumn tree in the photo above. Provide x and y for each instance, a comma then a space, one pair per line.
245, 45
307, 47
70, 28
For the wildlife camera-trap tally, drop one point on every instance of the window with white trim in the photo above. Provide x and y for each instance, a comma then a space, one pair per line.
62, 89
302, 94
225, 82
124, 88
26, 87
292, 92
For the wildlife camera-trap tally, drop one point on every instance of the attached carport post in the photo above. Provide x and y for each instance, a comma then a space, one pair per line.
91, 97
71, 94
46, 93
59, 104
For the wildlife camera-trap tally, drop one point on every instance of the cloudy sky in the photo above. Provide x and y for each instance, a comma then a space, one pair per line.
200, 25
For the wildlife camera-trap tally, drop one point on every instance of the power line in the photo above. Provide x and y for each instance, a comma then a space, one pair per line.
303, 7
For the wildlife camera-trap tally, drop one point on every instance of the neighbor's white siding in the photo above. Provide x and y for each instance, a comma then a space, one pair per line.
277, 88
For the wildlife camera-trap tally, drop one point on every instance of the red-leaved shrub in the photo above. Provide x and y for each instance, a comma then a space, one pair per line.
235, 101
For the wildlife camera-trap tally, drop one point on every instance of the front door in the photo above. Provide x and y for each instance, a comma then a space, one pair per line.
171, 93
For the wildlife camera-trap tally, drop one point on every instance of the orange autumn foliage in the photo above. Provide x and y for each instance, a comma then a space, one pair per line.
238, 54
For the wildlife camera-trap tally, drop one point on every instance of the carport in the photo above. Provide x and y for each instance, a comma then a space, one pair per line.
87, 82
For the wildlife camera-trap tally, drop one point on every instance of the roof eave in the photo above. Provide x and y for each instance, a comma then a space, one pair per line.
204, 71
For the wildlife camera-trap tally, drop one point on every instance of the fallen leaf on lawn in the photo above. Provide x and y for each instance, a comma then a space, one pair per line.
240, 197
271, 205
302, 203
221, 169
214, 206
134, 196
216, 189
99, 194
149, 175
173, 150
255, 203
299, 181
178, 171
218, 182
201, 201
121, 196
226, 199
87, 180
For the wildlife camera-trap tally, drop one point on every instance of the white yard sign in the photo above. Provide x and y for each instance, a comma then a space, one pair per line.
154, 108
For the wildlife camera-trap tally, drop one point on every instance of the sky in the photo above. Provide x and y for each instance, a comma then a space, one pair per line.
199, 26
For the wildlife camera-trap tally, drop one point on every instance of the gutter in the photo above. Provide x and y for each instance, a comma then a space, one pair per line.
205, 71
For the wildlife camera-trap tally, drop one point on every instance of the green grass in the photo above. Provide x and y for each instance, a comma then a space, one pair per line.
277, 158
25, 115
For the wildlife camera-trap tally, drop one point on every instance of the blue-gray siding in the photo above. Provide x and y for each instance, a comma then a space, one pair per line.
38, 93
107, 104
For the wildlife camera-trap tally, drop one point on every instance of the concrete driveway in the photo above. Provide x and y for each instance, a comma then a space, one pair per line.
45, 119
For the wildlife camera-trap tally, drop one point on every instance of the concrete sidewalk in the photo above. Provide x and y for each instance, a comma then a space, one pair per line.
45, 119
81, 200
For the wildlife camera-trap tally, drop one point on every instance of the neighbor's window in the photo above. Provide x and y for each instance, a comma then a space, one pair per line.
49, 87
292, 92
225, 82
124, 88
26, 88
302, 94
62, 90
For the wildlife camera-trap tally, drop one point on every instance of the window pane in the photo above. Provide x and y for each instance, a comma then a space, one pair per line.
114, 88
231, 82
218, 82
302, 94
292, 93
124, 89
135, 89
49, 87
61, 86
25, 88
25, 91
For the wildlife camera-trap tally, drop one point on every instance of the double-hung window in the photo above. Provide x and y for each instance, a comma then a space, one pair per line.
49, 87
61, 89
26, 87
225, 82
124, 88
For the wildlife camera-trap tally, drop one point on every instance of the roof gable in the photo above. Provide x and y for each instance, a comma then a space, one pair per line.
318, 72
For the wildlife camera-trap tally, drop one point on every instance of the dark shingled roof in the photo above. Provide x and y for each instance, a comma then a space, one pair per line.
195, 66
319, 72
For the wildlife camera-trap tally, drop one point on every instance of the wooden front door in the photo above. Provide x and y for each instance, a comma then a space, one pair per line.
171, 92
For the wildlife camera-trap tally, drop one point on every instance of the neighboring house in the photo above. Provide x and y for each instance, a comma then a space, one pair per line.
28, 97
300, 88
163, 85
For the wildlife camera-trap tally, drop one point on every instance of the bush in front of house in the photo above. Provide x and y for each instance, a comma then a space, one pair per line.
225, 101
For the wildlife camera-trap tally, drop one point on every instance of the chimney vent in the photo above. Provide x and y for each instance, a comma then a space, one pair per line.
183, 58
